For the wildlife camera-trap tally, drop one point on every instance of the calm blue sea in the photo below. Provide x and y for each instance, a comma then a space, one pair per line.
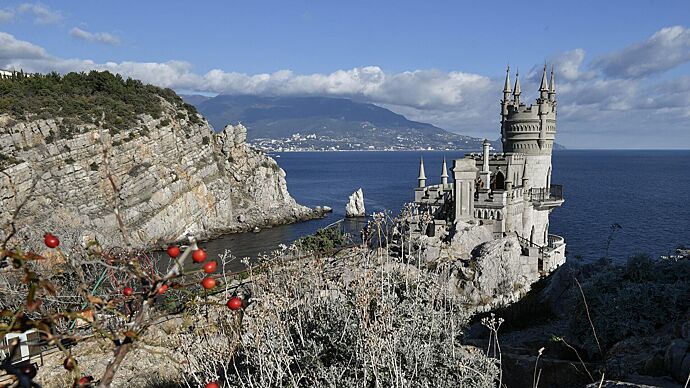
646, 192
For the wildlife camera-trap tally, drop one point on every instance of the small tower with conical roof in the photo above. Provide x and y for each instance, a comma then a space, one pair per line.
516, 90
421, 179
543, 88
444, 173
552, 88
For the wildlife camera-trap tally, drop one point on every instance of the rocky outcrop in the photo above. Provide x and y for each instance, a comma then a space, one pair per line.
355, 205
493, 275
142, 187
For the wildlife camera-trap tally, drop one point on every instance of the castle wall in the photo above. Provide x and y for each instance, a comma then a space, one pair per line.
538, 168
537, 219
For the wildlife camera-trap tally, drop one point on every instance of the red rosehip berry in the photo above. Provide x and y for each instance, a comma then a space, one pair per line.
234, 303
212, 384
199, 256
128, 291
162, 288
173, 251
210, 267
51, 241
85, 381
208, 282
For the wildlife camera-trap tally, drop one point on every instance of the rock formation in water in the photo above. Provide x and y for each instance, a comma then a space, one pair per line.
355, 205
165, 176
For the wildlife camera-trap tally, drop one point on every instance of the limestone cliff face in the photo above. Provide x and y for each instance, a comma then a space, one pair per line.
145, 186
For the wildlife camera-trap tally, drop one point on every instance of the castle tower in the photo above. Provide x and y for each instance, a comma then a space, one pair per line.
531, 130
464, 173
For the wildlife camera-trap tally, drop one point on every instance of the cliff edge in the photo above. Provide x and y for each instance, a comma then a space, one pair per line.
127, 164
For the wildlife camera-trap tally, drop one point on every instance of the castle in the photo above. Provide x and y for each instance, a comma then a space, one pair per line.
509, 192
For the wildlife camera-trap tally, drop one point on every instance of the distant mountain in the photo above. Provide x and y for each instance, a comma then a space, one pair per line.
194, 99
324, 123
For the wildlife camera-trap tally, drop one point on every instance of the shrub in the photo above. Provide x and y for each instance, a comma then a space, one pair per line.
86, 98
633, 300
324, 240
357, 320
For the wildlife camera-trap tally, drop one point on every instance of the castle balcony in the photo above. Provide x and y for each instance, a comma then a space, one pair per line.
555, 241
548, 257
546, 197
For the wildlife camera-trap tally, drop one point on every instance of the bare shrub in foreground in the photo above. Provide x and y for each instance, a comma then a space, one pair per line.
359, 319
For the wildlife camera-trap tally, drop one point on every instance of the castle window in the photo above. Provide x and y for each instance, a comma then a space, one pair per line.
498, 181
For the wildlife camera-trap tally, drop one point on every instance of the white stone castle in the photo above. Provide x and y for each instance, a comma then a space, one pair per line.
509, 192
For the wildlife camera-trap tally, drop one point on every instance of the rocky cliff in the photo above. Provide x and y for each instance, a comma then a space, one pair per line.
146, 185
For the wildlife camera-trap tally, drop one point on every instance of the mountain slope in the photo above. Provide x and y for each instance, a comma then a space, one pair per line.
323, 123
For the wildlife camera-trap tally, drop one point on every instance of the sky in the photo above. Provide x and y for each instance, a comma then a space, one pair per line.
622, 67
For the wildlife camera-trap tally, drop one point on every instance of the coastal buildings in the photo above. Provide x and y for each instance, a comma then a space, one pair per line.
6, 73
509, 192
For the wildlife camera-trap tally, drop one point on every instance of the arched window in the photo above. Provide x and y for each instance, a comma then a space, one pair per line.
548, 178
499, 181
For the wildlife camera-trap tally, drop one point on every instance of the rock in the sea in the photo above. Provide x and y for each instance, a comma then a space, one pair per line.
355, 205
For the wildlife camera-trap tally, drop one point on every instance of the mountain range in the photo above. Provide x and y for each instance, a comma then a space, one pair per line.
301, 123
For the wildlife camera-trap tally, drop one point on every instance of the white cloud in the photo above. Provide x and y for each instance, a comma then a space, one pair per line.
6, 15
666, 49
592, 105
100, 37
17, 51
41, 14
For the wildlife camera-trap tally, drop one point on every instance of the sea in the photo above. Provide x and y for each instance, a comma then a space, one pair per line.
645, 193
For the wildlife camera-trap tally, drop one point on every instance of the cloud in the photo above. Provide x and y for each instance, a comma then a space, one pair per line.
591, 104
666, 49
40, 13
100, 37
17, 51
6, 15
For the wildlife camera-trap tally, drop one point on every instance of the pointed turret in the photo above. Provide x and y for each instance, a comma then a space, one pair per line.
525, 178
506, 85
516, 89
506, 94
444, 172
552, 87
422, 176
543, 88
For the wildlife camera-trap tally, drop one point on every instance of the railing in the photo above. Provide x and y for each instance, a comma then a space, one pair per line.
527, 243
555, 241
543, 194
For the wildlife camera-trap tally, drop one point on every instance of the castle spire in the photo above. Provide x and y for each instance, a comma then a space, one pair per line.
543, 88
525, 178
516, 90
552, 87
422, 176
543, 79
506, 86
444, 173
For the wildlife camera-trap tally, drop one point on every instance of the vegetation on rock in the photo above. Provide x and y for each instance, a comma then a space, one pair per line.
99, 98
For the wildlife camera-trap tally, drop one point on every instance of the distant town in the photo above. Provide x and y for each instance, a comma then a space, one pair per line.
313, 142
